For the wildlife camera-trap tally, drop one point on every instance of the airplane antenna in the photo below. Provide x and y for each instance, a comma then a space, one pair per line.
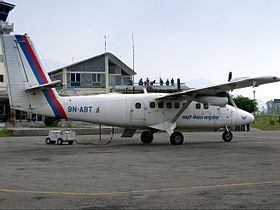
105, 43
132, 37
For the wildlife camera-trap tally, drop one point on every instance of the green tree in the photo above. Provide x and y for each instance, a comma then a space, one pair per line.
245, 103
271, 108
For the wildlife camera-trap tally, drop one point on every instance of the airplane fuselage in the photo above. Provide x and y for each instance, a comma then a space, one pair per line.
143, 110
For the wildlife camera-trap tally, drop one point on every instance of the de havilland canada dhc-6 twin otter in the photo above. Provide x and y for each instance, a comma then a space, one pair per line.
30, 89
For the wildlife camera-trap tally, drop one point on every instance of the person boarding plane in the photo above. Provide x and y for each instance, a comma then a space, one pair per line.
30, 89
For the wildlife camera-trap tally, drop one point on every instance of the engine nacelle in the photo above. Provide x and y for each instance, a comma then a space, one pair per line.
212, 100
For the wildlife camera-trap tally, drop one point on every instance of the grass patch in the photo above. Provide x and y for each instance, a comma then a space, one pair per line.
266, 126
6, 133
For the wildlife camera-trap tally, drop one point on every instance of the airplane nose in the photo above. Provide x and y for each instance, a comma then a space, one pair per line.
251, 118
245, 117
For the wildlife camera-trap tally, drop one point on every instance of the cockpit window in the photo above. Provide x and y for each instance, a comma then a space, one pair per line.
197, 105
206, 106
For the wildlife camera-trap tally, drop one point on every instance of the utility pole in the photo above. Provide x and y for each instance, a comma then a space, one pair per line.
254, 96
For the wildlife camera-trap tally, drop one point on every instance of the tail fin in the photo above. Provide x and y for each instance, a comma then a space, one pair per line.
29, 86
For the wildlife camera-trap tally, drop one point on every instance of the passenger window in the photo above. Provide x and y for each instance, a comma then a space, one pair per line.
169, 105
152, 104
160, 105
197, 105
138, 105
205, 106
177, 105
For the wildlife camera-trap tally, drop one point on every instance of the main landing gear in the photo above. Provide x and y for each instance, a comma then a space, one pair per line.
147, 137
176, 138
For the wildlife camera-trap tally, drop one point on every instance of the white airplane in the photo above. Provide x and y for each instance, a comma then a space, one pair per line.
31, 90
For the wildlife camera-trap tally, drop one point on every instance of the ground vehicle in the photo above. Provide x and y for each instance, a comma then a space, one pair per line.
60, 136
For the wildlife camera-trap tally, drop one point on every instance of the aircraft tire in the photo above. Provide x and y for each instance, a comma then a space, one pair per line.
227, 136
176, 138
70, 142
48, 141
59, 141
147, 137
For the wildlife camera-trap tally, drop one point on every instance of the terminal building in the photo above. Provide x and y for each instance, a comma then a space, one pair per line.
5, 29
99, 74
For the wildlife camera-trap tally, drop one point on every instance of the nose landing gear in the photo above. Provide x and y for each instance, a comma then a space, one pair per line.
227, 135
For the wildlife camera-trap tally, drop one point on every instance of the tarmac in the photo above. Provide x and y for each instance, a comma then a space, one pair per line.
203, 173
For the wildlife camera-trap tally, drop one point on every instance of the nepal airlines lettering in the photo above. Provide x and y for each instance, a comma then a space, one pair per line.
40, 76
201, 117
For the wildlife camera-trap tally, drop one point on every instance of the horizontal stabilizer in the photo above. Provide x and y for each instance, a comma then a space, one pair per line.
44, 86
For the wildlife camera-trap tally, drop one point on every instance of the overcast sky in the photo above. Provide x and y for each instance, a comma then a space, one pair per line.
187, 39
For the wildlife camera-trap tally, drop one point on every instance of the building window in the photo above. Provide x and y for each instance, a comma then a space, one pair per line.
115, 80
96, 80
75, 79
1, 78
21, 115
2, 110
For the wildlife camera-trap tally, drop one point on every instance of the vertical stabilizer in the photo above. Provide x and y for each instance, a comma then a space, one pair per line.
25, 72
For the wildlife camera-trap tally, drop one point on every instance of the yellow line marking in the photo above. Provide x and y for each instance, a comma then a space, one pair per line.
140, 191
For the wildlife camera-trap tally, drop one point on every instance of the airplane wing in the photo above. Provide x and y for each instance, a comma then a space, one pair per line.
214, 90
217, 90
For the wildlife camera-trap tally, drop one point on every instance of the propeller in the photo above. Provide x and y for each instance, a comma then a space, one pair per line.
229, 76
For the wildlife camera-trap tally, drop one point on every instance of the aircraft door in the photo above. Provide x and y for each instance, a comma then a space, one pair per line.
138, 112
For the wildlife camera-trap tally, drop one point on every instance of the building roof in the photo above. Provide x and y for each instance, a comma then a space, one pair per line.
112, 58
5, 8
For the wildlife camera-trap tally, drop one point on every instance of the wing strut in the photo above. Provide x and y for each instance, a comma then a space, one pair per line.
170, 125
184, 107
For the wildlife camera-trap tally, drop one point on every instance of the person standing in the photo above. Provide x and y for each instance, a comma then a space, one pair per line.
172, 82
167, 82
161, 82
140, 82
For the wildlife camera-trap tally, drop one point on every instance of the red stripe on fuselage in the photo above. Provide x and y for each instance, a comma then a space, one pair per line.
57, 104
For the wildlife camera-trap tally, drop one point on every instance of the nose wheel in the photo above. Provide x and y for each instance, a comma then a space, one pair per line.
227, 136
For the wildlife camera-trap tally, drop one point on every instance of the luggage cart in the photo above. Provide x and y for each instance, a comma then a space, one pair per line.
60, 136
